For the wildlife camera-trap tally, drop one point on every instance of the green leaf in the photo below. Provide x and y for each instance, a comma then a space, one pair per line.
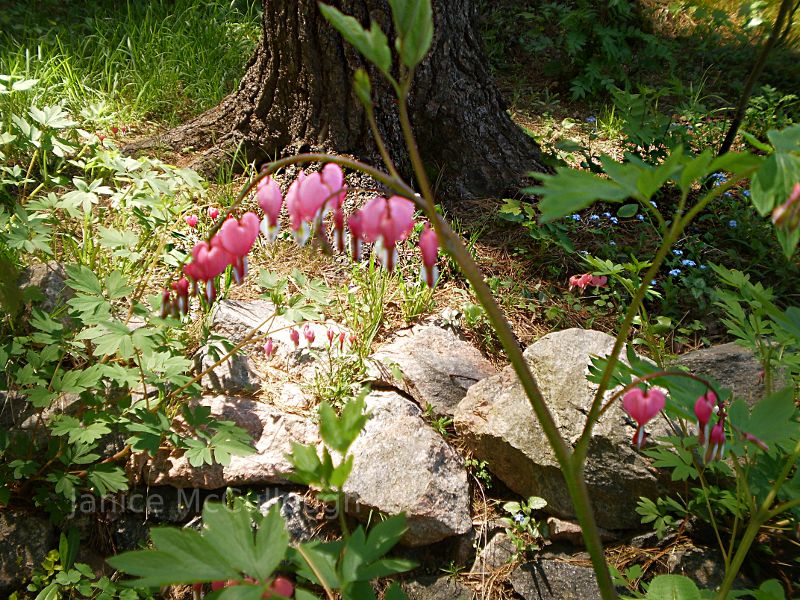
672, 587
385, 535
82, 279
413, 20
340, 433
626, 211
395, 592
272, 540
373, 44
107, 479
785, 140
773, 182
773, 420
569, 191
241, 592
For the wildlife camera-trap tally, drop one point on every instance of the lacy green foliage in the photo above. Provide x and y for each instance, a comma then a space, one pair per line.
92, 385
598, 45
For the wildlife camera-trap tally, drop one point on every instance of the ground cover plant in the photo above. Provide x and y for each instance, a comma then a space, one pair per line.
147, 249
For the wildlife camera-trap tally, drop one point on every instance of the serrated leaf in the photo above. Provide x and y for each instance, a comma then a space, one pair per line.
107, 479
570, 191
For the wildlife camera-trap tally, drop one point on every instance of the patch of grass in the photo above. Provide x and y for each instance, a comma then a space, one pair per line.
116, 62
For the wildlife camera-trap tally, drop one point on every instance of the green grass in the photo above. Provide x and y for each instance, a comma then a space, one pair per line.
116, 62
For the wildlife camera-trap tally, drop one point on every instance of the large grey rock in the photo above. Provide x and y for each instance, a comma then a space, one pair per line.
437, 366
731, 365
402, 465
497, 424
549, 579
437, 588
50, 278
272, 431
25, 539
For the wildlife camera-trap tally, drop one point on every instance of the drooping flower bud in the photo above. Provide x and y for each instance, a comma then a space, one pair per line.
330, 335
294, 335
338, 229
308, 333
191, 220
429, 246
341, 341
213, 213
386, 222
642, 406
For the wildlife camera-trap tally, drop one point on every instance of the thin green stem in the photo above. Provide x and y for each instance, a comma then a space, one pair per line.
572, 470
340, 501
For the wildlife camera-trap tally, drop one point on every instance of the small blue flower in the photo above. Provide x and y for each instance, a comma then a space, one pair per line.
591, 119
719, 179
519, 518
746, 193
640, 217
727, 195
594, 218
687, 262
652, 282
583, 252
653, 202
733, 223
703, 267
607, 215
675, 272
677, 252
612, 243
614, 220
576, 217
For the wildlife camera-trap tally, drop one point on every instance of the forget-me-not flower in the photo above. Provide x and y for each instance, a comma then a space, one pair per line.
675, 272
677, 252
687, 262
732, 223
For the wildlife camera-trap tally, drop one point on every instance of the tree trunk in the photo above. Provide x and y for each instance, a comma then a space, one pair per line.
296, 96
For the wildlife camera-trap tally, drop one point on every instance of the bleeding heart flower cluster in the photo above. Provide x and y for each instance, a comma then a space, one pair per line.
382, 221
587, 279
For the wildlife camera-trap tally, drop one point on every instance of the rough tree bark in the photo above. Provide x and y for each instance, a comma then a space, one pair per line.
296, 96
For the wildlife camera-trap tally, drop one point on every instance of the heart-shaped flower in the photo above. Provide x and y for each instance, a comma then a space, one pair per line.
237, 237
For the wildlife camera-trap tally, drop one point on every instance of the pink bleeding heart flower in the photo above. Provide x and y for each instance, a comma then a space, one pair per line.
181, 288
208, 261
642, 407
166, 304
338, 229
598, 281
270, 200
308, 333
310, 196
429, 246
191, 220
703, 409
237, 238
356, 231
269, 348
387, 222
213, 213
715, 444
341, 341
294, 335
330, 335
